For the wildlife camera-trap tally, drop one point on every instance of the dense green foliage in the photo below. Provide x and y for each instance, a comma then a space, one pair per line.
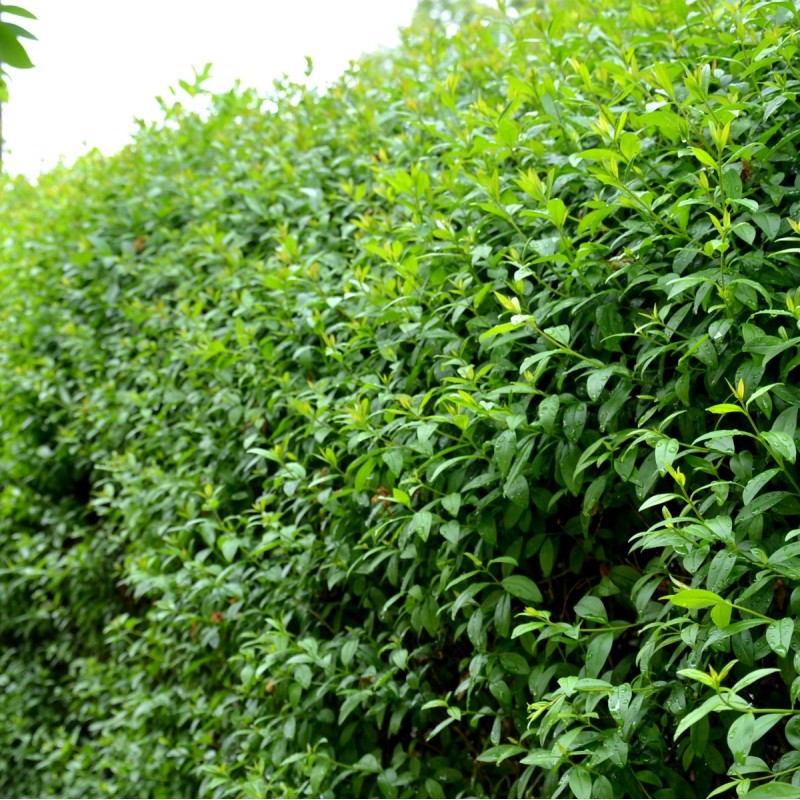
434, 435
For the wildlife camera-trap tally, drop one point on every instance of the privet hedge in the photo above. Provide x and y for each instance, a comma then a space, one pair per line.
433, 435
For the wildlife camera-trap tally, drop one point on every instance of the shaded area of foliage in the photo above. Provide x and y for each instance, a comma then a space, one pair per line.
354, 444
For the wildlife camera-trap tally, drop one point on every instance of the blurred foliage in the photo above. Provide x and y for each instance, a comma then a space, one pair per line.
432, 435
12, 52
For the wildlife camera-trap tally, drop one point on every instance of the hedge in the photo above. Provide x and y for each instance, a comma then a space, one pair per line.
433, 434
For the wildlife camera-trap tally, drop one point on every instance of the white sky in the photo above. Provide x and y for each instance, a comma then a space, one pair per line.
100, 63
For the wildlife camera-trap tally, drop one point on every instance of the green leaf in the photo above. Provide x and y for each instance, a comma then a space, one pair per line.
732, 184
394, 460
451, 531
502, 615
548, 410
752, 677
721, 615
779, 635
695, 598
351, 702
19, 32
364, 474
228, 545
16, 11
666, 451
793, 731
725, 408
597, 381
498, 754
522, 588
348, 651
745, 231
452, 503
514, 663
616, 401
746, 730
769, 223
540, 758
475, 630
704, 158
505, 447
780, 443
547, 556
421, 523
714, 703
619, 701
741, 735
580, 782
719, 569
368, 763
756, 484
568, 458
592, 608
557, 212
774, 790
574, 421
517, 490
629, 145
697, 675
786, 421
597, 653
593, 494
11, 51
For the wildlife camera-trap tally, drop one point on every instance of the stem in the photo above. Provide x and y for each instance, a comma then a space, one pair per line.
612, 628
754, 613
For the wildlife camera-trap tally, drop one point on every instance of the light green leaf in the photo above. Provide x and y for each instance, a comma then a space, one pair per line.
16, 11
721, 615
695, 598
756, 484
629, 145
11, 51
725, 408
704, 158
697, 675
752, 677
557, 212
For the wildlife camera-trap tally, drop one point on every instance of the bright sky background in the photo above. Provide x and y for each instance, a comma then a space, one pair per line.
100, 63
